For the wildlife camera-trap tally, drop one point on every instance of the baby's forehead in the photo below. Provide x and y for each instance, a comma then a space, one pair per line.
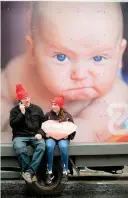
56, 13
65, 8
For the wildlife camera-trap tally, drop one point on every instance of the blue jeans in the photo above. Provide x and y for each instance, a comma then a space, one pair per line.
63, 146
20, 147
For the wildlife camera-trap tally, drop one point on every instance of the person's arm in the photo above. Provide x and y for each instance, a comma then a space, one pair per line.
35, 121
15, 118
43, 119
72, 135
46, 117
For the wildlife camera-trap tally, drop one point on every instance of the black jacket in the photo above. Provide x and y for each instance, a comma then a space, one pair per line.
53, 116
28, 124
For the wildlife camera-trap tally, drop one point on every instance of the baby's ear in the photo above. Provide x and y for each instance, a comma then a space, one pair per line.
123, 45
122, 49
29, 45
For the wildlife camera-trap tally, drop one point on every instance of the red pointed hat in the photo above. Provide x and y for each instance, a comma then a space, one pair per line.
59, 101
20, 92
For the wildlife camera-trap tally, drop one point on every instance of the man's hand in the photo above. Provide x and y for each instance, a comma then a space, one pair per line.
38, 136
22, 108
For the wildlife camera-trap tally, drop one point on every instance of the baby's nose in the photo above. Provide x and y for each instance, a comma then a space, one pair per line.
79, 73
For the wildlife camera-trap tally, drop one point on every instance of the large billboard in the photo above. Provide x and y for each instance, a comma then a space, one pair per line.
75, 49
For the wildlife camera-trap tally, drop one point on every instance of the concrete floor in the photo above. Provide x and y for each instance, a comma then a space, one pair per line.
78, 189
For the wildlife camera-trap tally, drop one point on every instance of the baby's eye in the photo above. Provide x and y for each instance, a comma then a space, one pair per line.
61, 57
98, 58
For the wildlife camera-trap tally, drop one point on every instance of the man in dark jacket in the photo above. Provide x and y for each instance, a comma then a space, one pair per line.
26, 120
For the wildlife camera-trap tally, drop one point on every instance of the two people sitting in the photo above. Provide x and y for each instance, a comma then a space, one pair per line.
26, 120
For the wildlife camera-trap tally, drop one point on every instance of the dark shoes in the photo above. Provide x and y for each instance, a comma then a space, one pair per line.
50, 178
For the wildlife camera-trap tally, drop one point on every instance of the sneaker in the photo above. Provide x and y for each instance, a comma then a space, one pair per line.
27, 177
65, 173
34, 178
65, 176
50, 178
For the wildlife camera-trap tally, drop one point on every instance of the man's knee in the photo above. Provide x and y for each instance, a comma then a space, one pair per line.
41, 146
19, 147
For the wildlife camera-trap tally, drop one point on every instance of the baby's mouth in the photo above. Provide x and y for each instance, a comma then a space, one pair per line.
80, 93
78, 88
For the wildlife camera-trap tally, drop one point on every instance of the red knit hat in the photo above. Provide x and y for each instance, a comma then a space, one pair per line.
20, 92
59, 101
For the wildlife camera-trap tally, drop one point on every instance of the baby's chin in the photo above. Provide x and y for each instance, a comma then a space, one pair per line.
81, 94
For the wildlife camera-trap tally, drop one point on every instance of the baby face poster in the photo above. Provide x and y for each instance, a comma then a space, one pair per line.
78, 50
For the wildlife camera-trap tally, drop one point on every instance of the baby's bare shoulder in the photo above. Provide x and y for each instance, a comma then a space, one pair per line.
15, 65
13, 73
95, 116
118, 94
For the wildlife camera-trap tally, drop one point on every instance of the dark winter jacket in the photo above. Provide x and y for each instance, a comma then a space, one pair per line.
53, 116
28, 124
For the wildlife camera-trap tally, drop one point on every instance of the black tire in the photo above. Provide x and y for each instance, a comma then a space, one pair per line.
41, 188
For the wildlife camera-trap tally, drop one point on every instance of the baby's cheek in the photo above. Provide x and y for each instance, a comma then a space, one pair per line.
62, 80
55, 86
104, 83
